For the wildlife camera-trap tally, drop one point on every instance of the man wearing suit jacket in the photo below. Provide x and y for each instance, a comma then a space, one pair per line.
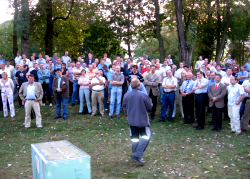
216, 94
61, 93
90, 59
151, 81
31, 93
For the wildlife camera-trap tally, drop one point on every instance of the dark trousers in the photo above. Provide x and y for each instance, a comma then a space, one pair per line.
200, 108
1, 103
226, 117
217, 116
70, 88
19, 99
154, 101
188, 108
46, 89
242, 107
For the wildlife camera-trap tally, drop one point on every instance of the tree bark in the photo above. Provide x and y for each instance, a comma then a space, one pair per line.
26, 28
15, 47
158, 31
221, 36
49, 29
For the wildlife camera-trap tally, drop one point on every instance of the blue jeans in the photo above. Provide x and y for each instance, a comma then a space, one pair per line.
75, 95
50, 85
242, 107
167, 100
161, 92
60, 100
84, 93
116, 96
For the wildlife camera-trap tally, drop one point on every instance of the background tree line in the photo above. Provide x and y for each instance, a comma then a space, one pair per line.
183, 28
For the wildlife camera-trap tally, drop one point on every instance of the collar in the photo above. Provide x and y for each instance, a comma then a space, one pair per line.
136, 89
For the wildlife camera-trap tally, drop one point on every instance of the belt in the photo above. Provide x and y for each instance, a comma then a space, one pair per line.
31, 99
200, 93
169, 92
97, 90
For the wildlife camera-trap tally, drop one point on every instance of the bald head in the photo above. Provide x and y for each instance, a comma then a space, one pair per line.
135, 83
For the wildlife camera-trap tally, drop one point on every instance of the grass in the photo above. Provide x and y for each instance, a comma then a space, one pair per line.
175, 150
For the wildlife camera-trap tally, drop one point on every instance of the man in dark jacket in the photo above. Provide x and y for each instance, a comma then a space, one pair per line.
135, 105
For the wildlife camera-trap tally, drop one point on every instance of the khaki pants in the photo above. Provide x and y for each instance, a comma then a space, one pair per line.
234, 115
97, 96
246, 115
29, 104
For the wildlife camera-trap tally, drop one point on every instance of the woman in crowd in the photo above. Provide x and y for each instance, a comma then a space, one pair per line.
7, 87
105, 100
83, 81
65, 71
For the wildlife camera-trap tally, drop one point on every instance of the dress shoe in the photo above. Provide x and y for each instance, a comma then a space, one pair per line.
138, 160
118, 116
161, 120
232, 131
152, 117
80, 113
19, 106
57, 117
237, 133
72, 104
185, 122
218, 130
65, 118
39, 127
209, 122
214, 129
25, 128
109, 117
196, 126
243, 129
200, 128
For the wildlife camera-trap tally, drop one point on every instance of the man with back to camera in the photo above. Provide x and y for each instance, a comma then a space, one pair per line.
135, 105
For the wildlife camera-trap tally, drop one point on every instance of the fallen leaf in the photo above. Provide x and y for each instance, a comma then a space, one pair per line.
206, 172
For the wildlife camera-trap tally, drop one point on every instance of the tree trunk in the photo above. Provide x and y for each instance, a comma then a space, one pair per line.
188, 57
49, 29
26, 28
221, 36
158, 31
15, 47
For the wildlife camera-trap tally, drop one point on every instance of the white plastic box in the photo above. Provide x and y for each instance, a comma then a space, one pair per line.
59, 160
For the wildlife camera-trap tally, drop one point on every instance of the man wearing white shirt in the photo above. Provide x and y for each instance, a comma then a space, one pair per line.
165, 66
66, 58
199, 63
226, 81
24, 57
10, 68
213, 67
17, 58
106, 59
219, 71
76, 74
31, 62
177, 74
97, 84
236, 94
170, 60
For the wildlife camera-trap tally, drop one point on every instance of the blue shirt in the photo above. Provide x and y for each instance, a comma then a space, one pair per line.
99, 66
234, 93
109, 77
230, 60
247, 66
210, 82
242, 73
246, 83
59, 82
2, 61
187, 88
30, 92
143, 89
222, 73
204, 83
40, 61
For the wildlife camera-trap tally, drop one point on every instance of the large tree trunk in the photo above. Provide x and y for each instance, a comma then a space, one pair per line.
15, 47
26, 28
158, 31
49, 29
221, 36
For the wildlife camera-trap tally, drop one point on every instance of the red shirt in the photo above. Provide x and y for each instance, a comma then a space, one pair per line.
143, 70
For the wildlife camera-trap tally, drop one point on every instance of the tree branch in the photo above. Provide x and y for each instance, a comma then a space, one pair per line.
65, 18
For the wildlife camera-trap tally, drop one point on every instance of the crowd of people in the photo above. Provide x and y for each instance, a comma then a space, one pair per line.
100, 85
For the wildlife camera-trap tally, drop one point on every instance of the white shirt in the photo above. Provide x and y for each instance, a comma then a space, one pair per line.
198, 64
166, 68
6, 71
222, 73
11, 69
161, 73
66, 59
27, 61
78, 71
234, 93
17, 59
98, 87
172, 81
178, 73
213, 69
226, 79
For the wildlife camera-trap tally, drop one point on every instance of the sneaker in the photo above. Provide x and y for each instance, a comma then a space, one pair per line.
43, 104
50, 104
109, 117
232, 131
137, 160
118, 116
